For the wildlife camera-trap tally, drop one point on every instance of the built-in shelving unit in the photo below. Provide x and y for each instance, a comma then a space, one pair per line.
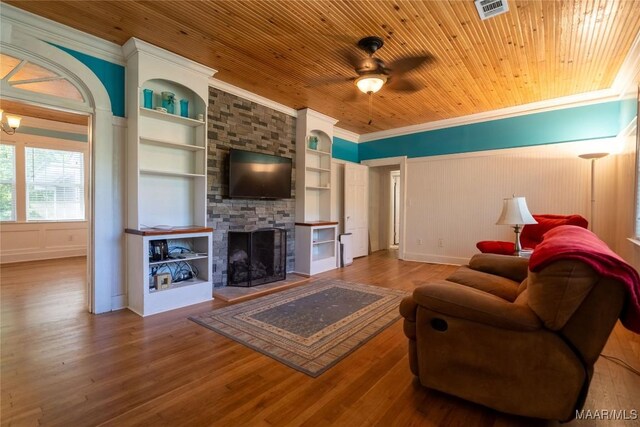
315, 233
190, 281
166, 177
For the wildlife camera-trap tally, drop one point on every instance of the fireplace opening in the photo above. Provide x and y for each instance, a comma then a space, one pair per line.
256, 257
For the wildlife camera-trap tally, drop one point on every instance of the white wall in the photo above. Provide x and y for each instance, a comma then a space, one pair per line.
622, 214
457, 199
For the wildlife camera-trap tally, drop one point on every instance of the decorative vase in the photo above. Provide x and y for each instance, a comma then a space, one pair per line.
184, 107
168, 101
148, 98
313, 142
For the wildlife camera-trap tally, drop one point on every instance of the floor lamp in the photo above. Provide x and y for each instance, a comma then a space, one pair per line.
593, 157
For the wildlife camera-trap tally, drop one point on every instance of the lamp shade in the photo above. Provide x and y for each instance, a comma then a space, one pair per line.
371, 83
515, 212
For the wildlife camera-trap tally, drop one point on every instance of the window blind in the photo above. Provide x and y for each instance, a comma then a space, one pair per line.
55, 184
7, 182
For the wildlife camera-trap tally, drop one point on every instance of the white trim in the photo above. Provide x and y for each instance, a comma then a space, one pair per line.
51, 31
504, 113
436, 259
134, 45
119, 302
31, 255
250, 96
343, 162
319, 116
346, 134
386, 161
119, 121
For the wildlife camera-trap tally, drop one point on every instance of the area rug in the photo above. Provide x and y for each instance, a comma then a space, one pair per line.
309, 328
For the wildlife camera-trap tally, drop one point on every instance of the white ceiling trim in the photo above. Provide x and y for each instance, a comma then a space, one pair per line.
626, 80
346, 134
53, 32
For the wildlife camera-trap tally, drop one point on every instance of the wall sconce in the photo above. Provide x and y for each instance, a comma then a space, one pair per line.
13, 123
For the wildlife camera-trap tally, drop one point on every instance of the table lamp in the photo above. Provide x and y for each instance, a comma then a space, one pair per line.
516, 213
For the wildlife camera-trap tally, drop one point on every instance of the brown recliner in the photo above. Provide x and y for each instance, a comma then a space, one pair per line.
517, 341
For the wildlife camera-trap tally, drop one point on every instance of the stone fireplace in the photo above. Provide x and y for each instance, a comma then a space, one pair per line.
256, 257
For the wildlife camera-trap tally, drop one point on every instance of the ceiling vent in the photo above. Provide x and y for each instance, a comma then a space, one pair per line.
490, 8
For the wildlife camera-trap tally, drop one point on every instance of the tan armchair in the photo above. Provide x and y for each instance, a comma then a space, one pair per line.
517, 341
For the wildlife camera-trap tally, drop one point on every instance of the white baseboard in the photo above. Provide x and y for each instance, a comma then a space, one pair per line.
118, 302
41, 255
435, 259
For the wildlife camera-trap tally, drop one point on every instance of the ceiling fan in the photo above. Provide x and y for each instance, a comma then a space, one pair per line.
373, 73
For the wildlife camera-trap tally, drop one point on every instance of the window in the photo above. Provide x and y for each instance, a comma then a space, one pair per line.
55, 184
7, 182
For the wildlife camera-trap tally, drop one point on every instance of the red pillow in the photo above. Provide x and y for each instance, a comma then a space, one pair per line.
495, 247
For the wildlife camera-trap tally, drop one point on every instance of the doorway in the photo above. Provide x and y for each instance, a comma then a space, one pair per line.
20, 49
387, 204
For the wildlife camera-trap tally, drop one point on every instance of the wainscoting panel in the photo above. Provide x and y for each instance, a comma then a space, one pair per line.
42, 240
454, 201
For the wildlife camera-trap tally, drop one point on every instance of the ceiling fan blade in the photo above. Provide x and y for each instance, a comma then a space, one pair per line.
406, 64
403, 85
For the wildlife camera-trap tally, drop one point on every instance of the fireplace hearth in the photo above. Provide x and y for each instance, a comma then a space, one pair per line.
256, 257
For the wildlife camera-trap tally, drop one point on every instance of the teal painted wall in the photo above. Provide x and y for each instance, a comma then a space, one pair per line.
595, 121
70, 136
111, 75
344, 150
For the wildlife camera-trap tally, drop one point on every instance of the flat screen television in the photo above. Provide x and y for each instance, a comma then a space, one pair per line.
258, 176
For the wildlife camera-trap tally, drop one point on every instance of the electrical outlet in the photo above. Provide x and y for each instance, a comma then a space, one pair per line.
440, 243
71, 237
419, 241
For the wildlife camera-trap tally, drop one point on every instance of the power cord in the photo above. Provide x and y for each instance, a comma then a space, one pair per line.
621, 362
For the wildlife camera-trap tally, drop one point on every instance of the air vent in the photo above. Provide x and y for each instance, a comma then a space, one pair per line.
490, 8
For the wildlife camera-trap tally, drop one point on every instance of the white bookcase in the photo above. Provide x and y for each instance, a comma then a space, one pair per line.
166, 173
316, 248
145, 297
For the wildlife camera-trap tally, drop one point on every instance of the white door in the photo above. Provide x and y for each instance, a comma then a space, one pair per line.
356, 195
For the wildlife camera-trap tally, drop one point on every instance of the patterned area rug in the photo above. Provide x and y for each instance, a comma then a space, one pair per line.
309, 328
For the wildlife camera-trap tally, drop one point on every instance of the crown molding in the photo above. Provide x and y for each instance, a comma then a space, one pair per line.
134, 45
313, 113
346, 134
53, 32
519, 110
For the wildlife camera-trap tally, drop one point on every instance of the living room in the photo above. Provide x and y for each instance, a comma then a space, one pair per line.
456, 159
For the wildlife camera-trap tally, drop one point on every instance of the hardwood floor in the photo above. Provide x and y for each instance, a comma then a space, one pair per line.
62, 366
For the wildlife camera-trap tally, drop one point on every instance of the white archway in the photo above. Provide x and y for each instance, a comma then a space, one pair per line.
104, 228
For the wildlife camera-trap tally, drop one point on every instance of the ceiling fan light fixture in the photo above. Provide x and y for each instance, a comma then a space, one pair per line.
371, 83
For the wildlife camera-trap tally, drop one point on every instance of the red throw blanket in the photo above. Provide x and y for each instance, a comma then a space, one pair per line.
573, 242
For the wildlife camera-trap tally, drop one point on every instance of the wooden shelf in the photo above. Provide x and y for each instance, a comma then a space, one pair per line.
187, 229
310, 187
160, 143
170, 173
154, 114
322, 153
315, 169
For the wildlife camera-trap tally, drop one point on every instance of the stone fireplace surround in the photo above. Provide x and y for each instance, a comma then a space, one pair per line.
234, 122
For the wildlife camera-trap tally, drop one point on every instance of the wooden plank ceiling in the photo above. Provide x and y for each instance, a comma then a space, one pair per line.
284, 50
